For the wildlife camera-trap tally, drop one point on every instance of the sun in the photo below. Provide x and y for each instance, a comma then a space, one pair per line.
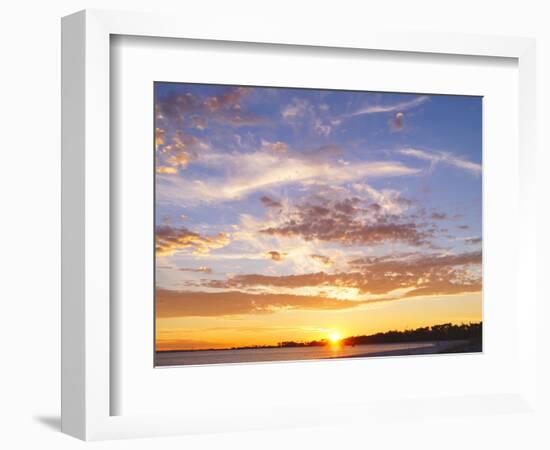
334, 337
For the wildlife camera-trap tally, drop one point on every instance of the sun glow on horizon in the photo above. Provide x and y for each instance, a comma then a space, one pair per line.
335, 337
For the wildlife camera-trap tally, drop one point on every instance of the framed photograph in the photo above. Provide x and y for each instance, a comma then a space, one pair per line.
257, 221
300, 224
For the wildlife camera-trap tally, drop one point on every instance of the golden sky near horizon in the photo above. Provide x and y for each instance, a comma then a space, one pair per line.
270, 329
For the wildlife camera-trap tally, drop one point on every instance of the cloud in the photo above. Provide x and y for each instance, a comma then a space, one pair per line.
296, 109
475, 240
277, 146
180, 159
436, 274
171, 304
182, 148
159, 137
241, 119
397, 121
276, 256
170, 240
325, 260
389, 200
166, 170
375, 278
321, 128
225, 108
230, 99
240, 174
438, 215
301, 112
202, 269
268, 202
443, 158
396, 107
420, 262
200, 123
349, 221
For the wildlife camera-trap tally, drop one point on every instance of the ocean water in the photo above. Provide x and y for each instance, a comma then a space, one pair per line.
200, 357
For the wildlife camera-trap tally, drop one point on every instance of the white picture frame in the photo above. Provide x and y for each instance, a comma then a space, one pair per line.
86, 246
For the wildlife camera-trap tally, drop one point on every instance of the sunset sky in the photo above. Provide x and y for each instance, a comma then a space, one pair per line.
292, 214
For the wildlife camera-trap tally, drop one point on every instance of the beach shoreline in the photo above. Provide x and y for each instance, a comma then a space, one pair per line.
439, 347
167, 359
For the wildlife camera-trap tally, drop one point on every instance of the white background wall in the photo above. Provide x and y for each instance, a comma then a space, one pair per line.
30, 188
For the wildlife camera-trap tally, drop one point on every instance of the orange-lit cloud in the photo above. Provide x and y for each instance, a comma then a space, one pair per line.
275, 256
166, 170
226, 108
180, 159
411, 275
325, 260
171, 240
202, 269
277, 146
159, 137
176, 154
187, 304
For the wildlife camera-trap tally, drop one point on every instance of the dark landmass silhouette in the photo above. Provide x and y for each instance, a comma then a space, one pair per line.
470, 333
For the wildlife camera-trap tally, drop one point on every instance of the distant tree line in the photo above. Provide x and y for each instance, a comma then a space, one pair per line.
319, 343
444, 332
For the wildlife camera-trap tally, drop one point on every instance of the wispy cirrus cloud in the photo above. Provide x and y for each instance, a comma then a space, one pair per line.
241, 174
315, 117
439, 157
201, 269
387, 108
